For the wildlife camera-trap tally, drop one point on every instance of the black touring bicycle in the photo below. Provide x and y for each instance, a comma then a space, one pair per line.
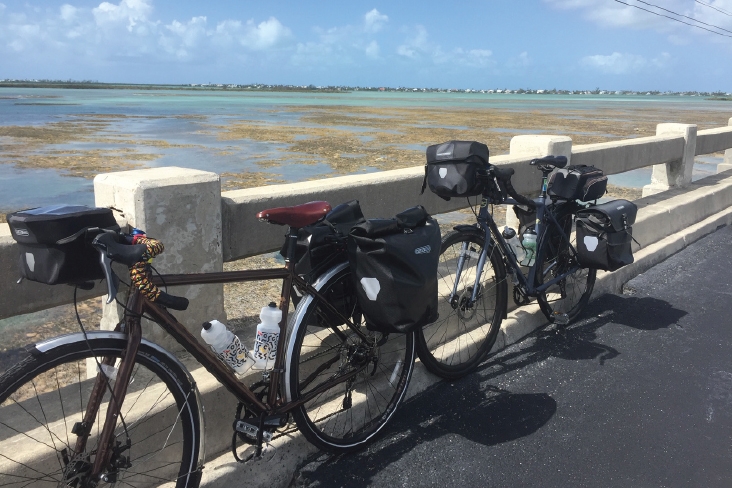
561, 242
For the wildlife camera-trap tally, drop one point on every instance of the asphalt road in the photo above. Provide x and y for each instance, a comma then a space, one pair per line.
638, 393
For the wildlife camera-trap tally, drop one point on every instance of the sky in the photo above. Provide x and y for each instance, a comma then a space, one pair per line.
464, 44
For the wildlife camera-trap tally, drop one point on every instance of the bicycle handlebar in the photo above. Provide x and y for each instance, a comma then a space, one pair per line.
113, 246
503, 175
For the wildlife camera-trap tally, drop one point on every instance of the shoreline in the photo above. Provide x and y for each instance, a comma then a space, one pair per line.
272, 143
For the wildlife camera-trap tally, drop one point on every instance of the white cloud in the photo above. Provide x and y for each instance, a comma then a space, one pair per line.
132, 33
416, 44
522, 60
265, 35
479, 56
374, 21
615, 63
372, 50
419, 47
68, 12
130, 12
343, 45
184, 38
609, 13
625, 63
129, 29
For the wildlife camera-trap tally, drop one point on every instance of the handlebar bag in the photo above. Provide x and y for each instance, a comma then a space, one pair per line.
394, 270
53, 249
318, 246
578, 182
604, 235
453, 169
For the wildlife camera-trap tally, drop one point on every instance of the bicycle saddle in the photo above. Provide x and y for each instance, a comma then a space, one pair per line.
297, 216
556, 161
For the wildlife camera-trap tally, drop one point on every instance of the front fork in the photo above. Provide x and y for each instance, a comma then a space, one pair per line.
466, 252
107, 439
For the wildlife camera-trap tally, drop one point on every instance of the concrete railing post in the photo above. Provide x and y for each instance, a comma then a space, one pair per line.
538, 146
727, 162
182, 208
676, 174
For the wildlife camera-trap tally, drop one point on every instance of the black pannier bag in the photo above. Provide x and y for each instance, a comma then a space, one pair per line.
604, 235
578, 182
453, 169
316, 248
53, 248
394, 270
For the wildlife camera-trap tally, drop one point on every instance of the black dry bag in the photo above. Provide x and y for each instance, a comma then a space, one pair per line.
394, 268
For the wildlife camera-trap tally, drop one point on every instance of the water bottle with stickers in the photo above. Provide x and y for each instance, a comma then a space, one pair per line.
268, 334
227, 346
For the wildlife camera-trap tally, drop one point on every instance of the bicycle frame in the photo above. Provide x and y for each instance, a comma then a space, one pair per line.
138, 305
493, 235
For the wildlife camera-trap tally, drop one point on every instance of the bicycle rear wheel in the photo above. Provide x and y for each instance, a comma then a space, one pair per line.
343, 415
563, 301
464, 333
43, 400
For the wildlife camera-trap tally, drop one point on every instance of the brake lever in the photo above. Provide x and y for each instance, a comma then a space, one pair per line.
109, 276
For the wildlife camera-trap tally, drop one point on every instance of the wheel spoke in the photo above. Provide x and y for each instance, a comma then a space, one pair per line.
347, 412
465, 332
35, 398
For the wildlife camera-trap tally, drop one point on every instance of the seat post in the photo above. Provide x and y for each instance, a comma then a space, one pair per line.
291, 246
546, 170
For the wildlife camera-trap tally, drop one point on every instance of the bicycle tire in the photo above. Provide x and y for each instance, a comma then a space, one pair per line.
462, 336
570, 295
344, 417
45, 395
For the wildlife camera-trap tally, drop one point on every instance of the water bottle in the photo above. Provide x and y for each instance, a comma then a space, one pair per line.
529, 243
268, 334
518, 250
227, 346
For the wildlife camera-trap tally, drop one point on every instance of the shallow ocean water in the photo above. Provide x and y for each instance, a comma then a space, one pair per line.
184, 119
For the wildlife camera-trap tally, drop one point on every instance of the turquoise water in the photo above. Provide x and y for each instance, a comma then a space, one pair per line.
155, 115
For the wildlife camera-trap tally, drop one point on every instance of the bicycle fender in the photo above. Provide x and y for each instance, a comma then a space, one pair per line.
468, 228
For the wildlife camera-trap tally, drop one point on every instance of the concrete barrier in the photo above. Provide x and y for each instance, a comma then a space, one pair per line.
381, 194
192, 217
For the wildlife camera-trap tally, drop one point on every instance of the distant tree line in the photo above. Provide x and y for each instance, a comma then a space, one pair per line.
48, 83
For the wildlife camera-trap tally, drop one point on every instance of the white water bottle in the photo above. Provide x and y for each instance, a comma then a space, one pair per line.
227, 346
268, 334
518, 250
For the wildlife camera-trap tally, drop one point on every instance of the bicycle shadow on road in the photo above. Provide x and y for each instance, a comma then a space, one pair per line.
579, 341
468, 409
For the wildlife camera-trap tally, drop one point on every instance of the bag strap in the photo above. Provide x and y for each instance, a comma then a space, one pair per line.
626, 227
424, 181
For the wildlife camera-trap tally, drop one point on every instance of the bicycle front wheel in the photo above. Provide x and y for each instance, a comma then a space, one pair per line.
465, 331
342, 414
563, 301
43, 400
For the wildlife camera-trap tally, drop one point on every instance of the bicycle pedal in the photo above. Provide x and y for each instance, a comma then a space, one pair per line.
251, 431
561, 319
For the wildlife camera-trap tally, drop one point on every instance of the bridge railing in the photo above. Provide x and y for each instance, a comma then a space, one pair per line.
203, 227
